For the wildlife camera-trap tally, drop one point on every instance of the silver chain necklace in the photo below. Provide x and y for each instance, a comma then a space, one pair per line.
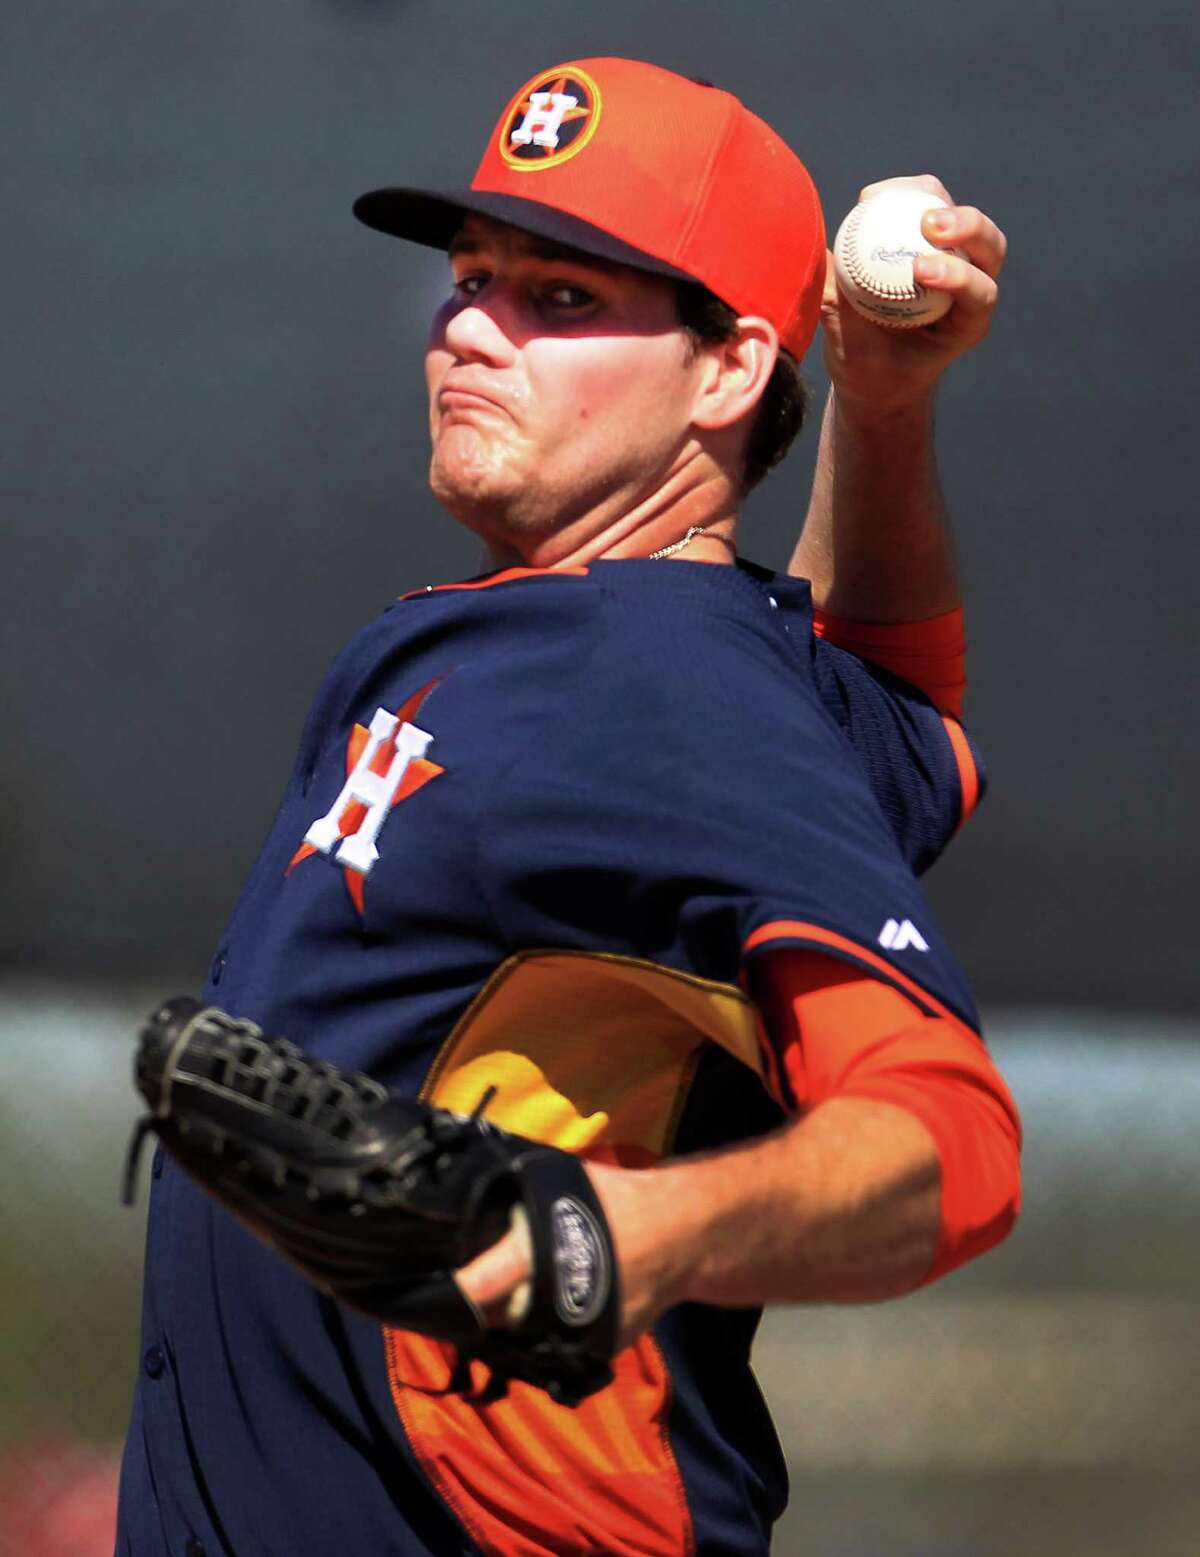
668, 551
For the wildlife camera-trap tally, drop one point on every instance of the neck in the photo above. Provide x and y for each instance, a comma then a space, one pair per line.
689, 498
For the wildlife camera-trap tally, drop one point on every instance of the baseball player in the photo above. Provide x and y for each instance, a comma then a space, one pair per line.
611, 837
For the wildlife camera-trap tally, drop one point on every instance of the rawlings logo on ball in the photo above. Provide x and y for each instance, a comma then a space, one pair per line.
873, 256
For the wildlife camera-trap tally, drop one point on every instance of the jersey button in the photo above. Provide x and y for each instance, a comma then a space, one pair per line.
217, 968
154, 1362
194, 1548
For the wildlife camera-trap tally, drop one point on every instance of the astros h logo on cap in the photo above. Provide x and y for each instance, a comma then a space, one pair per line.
550, 119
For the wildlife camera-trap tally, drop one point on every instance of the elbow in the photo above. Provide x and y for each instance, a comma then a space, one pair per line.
980, 1191
976, 1132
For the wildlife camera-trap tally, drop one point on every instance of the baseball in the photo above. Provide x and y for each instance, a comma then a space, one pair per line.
873, 256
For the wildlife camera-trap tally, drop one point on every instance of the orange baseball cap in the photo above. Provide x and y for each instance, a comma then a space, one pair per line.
632, 163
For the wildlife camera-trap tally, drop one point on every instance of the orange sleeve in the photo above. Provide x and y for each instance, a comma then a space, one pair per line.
930, 655
838, 1032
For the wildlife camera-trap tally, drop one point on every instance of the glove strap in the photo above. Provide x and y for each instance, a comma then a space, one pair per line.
565, 1340
574, 1287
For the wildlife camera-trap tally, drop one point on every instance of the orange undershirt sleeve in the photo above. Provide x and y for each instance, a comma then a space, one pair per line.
929, 655
837, 1032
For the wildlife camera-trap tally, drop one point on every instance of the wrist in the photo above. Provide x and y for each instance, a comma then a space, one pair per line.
656, 1228
903, 414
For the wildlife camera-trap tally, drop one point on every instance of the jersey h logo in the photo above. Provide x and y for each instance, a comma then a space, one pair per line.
900, 935
366, 786
384, 765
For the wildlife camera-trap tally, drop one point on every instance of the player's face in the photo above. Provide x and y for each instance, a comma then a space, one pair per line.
560, 391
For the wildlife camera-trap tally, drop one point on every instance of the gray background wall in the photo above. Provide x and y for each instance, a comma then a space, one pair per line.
212, 447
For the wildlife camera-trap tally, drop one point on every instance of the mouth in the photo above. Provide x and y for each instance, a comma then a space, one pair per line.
454, 399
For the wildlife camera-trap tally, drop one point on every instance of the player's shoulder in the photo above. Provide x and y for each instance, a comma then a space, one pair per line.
679, 631
720, 634
687, 676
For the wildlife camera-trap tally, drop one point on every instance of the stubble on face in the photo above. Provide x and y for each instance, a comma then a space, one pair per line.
479, 460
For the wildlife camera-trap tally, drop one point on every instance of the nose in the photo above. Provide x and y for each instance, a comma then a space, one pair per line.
476, 332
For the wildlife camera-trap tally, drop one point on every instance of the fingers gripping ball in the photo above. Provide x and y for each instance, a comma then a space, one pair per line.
873, 257
378, 1199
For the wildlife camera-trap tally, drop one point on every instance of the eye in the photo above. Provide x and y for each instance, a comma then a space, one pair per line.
567, 297
469, 285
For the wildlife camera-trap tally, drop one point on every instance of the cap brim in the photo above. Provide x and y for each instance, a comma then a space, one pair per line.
432, 217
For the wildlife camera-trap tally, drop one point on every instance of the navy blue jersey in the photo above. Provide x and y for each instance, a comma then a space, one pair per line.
536, 826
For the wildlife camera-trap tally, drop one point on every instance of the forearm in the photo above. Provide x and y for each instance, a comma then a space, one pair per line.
839, 1206
876, 542
900, 1162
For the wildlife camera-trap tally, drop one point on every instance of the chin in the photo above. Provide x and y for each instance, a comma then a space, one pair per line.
476, 498
466, 461
482, 480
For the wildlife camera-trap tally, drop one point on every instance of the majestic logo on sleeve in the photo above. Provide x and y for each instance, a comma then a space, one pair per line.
899, 935
551, 119
384, 765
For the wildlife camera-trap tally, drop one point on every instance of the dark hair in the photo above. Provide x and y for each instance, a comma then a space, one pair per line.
780, 414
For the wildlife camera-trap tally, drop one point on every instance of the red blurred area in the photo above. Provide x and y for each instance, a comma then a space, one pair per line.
58, 1498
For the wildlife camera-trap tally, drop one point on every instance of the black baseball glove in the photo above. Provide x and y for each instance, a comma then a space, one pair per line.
377, 1199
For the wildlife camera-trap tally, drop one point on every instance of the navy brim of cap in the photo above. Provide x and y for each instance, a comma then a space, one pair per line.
432, 217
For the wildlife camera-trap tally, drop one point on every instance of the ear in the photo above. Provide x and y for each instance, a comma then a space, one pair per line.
735, 373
